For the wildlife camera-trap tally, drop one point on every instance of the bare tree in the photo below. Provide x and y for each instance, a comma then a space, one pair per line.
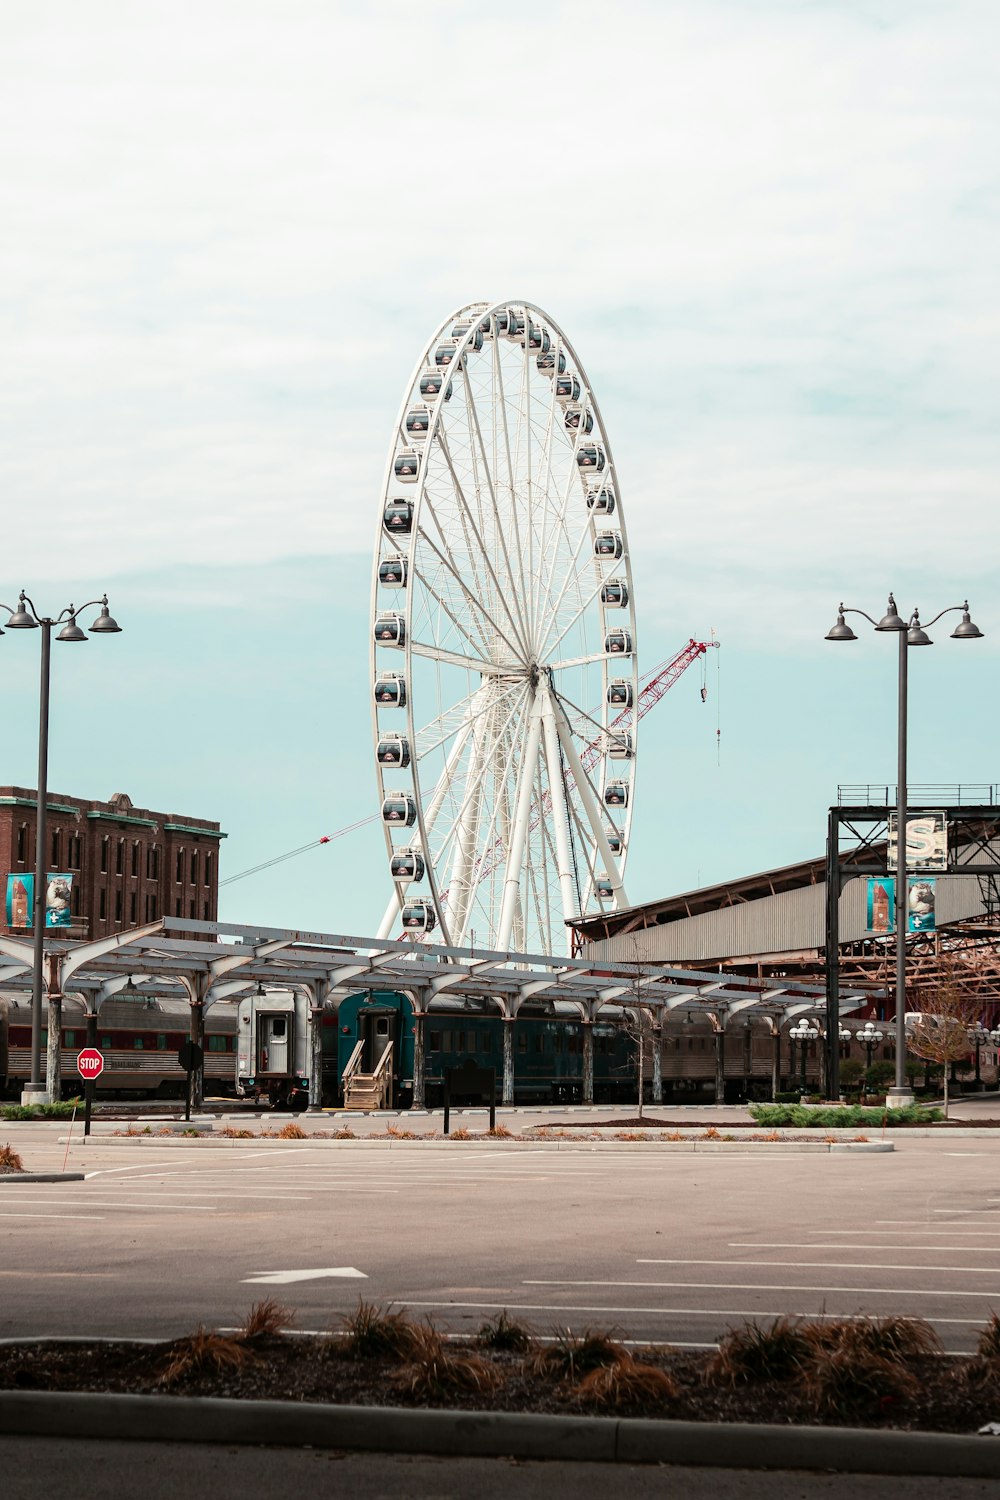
638, 1025
939, 1031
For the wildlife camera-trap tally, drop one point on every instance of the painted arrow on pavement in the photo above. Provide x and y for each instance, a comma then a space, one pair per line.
281, 1278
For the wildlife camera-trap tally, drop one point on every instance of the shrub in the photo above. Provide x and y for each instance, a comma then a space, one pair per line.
203, 1350
266, 1320
10, 1160
892, 1338
846, 1381
780, 1351
626, 1382
398, 1134
846, 1116
460, 1135
344, 1134
503, 1333
433, 1369
629, 1135
374, 1333
569, 1355
291, 1132
501, 1132
236, 1135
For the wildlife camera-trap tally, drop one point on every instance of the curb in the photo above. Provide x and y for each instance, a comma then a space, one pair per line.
362, 1143
494, 1434
19, 1177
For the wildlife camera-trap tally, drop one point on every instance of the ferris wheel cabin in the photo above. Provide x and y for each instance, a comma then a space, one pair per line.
431, 383
608, 544
407, 865
567, 388
618, 643
390, 690
621, 745
620, 693
407, 466
602, 501
417, 423
577, 420
589, 457
392, 572
418, 916
551, 363
399, 809
393, 750
614, 593
397, 518
616, 794
390, 630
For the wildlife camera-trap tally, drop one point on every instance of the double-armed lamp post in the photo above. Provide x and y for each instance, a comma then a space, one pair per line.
910, 633
26, 617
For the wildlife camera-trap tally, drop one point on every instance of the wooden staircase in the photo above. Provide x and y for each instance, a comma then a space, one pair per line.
368, 1090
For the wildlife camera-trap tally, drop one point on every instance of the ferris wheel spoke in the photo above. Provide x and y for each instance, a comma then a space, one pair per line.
578, 661
560, 816
460, 493
479, 644
456, 659
522, 809
559, 525
498, 826
588, 799
536, 603
553, 614
476, 771
582, 717
425, 745
474, 601
499, 520
501, 403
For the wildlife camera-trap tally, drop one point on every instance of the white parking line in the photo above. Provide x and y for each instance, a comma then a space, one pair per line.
114, 1203
769, 1286
76, 1218
667, 1312
818, 1245
821, 1265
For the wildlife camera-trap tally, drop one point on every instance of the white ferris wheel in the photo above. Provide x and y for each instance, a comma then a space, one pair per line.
503, 651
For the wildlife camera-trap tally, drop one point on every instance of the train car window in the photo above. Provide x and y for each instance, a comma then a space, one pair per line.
382, 1025
278, 1026
485, 1041
435, 1041
522, 1043
105, 1042
69, 1039
217, 1044
161, 1041
138, 1043
539, 1042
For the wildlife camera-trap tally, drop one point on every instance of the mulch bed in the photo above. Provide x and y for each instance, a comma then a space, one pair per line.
653, 1122
288, 1368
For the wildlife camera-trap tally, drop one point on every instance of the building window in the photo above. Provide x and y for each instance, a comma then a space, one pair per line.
104, 855
103, 904
56, 847
150, 908
206, 913
177, 907
193, 911
153, 862
179, 873
118, 907
120, 858
76, 899
194, 867
135, 859
73, 851
209, 861
22, 843
132, 904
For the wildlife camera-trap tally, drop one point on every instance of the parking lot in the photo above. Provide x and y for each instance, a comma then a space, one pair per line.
163, 1234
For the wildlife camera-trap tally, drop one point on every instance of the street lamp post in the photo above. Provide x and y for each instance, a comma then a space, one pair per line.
26, 617
910, 633
804, 1033
979, 1035
869, 1036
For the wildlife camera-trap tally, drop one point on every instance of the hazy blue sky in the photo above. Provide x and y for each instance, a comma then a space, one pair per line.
772, 231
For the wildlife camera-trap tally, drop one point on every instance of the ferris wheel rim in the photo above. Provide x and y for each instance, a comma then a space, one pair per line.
478, 314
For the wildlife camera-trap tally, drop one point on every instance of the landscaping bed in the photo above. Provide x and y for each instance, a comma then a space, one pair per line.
886, 1373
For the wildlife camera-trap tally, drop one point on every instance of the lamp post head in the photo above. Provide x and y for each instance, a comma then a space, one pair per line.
105, 624
21, 619
965, 630
71, 630
892, 619
841, 631
916, 635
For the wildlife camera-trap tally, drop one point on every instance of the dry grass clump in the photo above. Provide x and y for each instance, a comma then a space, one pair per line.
625, 1383
711, 1134
399, 1134
852, 1382
10, 1160
778, 1351
500, 1132
767, 1135
984, 1366
290, 1132
673, 1135
434, 1369
892, 1338
236, 1135
631, 1135
205, 1350
460, 1135
373, 1332
344, 1134
266, 1320
569, 1356
504, 1334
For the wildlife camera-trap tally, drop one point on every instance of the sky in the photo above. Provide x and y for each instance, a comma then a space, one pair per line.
771, 229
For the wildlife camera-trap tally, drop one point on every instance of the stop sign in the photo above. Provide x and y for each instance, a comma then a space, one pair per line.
90, 1063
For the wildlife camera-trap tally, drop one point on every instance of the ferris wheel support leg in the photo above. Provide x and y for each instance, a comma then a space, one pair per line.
560, 812
522, 812
590, 806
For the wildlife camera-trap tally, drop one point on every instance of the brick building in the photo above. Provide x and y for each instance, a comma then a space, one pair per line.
129, 865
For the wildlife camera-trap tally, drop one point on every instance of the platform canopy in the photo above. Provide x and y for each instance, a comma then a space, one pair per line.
209, 962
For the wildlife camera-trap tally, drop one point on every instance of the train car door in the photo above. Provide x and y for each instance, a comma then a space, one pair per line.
272, 1043
379, 1032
